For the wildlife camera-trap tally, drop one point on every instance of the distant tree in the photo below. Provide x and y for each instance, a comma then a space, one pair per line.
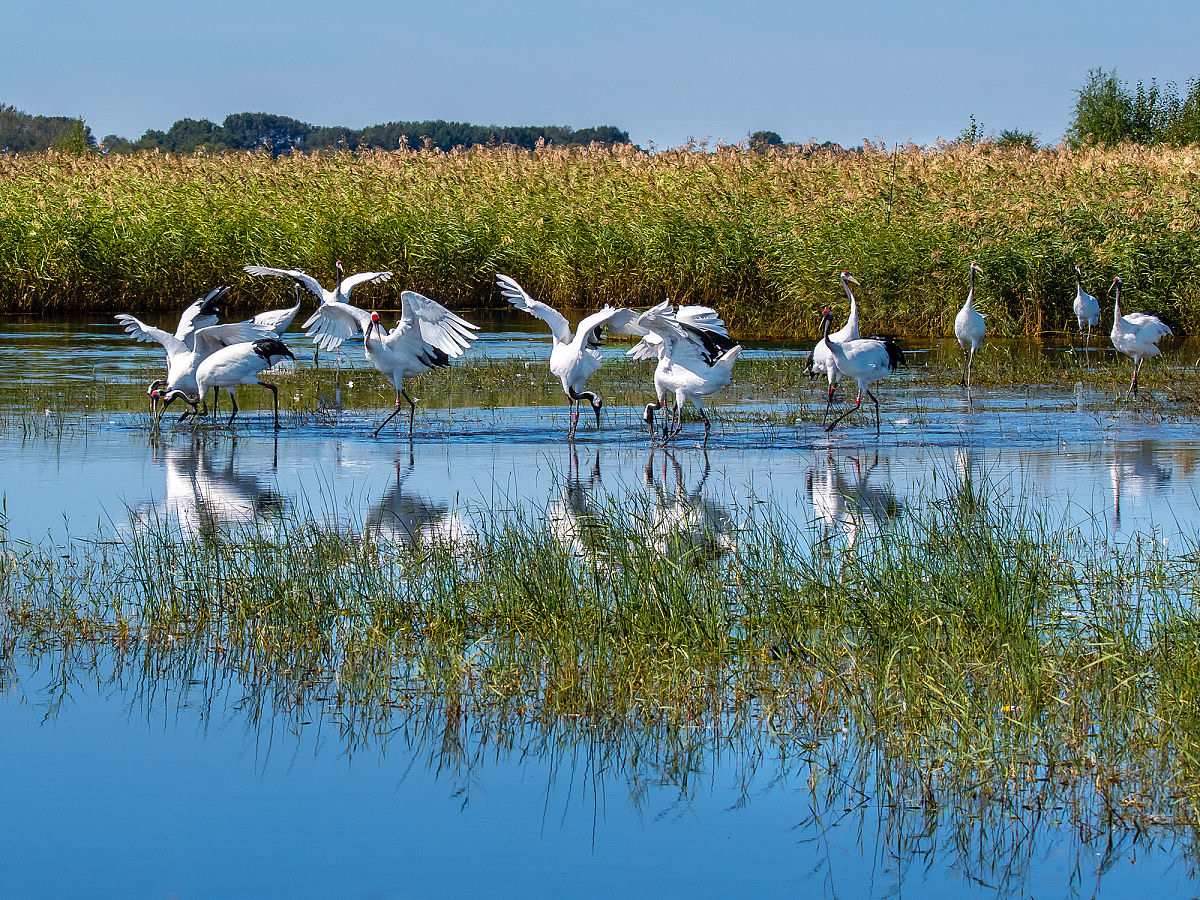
1104, 111
77, 140
23, 133
972, 133
263, 131
114, 143
1014, 137
1184, 116
187, 136
761, 140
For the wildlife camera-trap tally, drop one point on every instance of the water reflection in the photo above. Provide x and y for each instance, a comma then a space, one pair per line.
844, 497
575, 519
407, 517
204, 493
1138, 474
686, 524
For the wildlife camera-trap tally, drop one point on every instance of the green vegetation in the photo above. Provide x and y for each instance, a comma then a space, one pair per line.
23, 133
759, 236
1108, 112
964, 659
281, 134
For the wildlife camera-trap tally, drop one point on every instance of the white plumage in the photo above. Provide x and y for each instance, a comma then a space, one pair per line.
863, 361
241, 364
969, 328
1136, 335
200, 314
695, 359
1087, 307
820, 360
279, 320
184, 360
341, 290
426, 336
575, 357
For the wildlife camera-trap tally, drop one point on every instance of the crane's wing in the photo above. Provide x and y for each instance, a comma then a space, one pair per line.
659, 330
200, 314
311, 284
702, 317
349, 284
515, 294
277, 320
333, 323
141, 332
1149, 328
438, 326
614, 317
214, 337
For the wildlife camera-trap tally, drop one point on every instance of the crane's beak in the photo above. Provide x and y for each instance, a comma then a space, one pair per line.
852, 280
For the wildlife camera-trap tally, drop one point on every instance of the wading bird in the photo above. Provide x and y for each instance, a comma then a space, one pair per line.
278, 320
820, 361
969, 328
695, 359
1087, 308
200, 314
183, 360
234, 365
426, 336
1136, 335
575, 357
864, 362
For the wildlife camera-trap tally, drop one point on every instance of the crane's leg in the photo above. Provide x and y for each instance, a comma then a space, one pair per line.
966, 368
375, 433
857, 404
707, 424
216, 395
876, 402
828, 402
1133, 384
412, 411
274, 398
574, 419
970, 360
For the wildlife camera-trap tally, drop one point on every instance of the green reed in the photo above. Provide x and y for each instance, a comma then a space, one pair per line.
758, 236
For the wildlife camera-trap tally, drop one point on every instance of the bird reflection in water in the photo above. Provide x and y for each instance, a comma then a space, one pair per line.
573, 516
1136, 474
405, 517
851, 504
205, 494
686, 525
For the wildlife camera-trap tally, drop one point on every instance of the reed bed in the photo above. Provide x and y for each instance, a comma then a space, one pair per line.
759, 236
966, 665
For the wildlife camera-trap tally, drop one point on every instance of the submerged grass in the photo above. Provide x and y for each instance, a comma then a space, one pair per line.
759, 236
965, 661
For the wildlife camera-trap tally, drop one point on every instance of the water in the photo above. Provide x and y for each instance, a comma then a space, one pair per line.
150, 782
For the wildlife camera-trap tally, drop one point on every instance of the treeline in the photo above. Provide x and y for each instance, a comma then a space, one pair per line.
23, 133
281, 134
1109, 111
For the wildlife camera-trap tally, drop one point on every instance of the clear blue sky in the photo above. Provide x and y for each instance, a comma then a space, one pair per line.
664, 71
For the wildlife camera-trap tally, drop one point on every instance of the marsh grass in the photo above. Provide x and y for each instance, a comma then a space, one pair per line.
965, 663
759, 236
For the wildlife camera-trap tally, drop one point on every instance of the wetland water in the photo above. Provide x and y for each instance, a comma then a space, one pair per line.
175, 774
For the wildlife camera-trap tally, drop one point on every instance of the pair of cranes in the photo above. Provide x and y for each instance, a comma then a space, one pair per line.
1135, 335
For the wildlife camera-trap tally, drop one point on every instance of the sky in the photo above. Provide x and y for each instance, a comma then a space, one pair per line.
666, 71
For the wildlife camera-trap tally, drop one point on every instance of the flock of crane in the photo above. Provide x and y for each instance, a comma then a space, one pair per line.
694, 351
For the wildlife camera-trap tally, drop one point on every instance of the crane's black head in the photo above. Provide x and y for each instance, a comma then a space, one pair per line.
1116, 285
826, 316
208, 306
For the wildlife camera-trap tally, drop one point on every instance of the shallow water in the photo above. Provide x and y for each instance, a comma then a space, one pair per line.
139, 775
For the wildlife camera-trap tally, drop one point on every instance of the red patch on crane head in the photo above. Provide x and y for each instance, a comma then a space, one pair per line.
374, 317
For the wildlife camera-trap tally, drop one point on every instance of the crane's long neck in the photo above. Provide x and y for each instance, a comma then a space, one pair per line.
1078, 285
852, 320
833, 347
971, 290
1117, 304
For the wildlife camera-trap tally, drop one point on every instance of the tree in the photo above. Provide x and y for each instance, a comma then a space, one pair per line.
1104, 112
1014, 137
78, 140
761, 140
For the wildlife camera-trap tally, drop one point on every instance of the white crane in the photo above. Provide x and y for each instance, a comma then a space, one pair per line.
820, 360
233, 365
1136, 335
200, 314
278, 320
864, 362
969, 328
1087, 308
426, 336
183, 360
574, 357
695, 359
